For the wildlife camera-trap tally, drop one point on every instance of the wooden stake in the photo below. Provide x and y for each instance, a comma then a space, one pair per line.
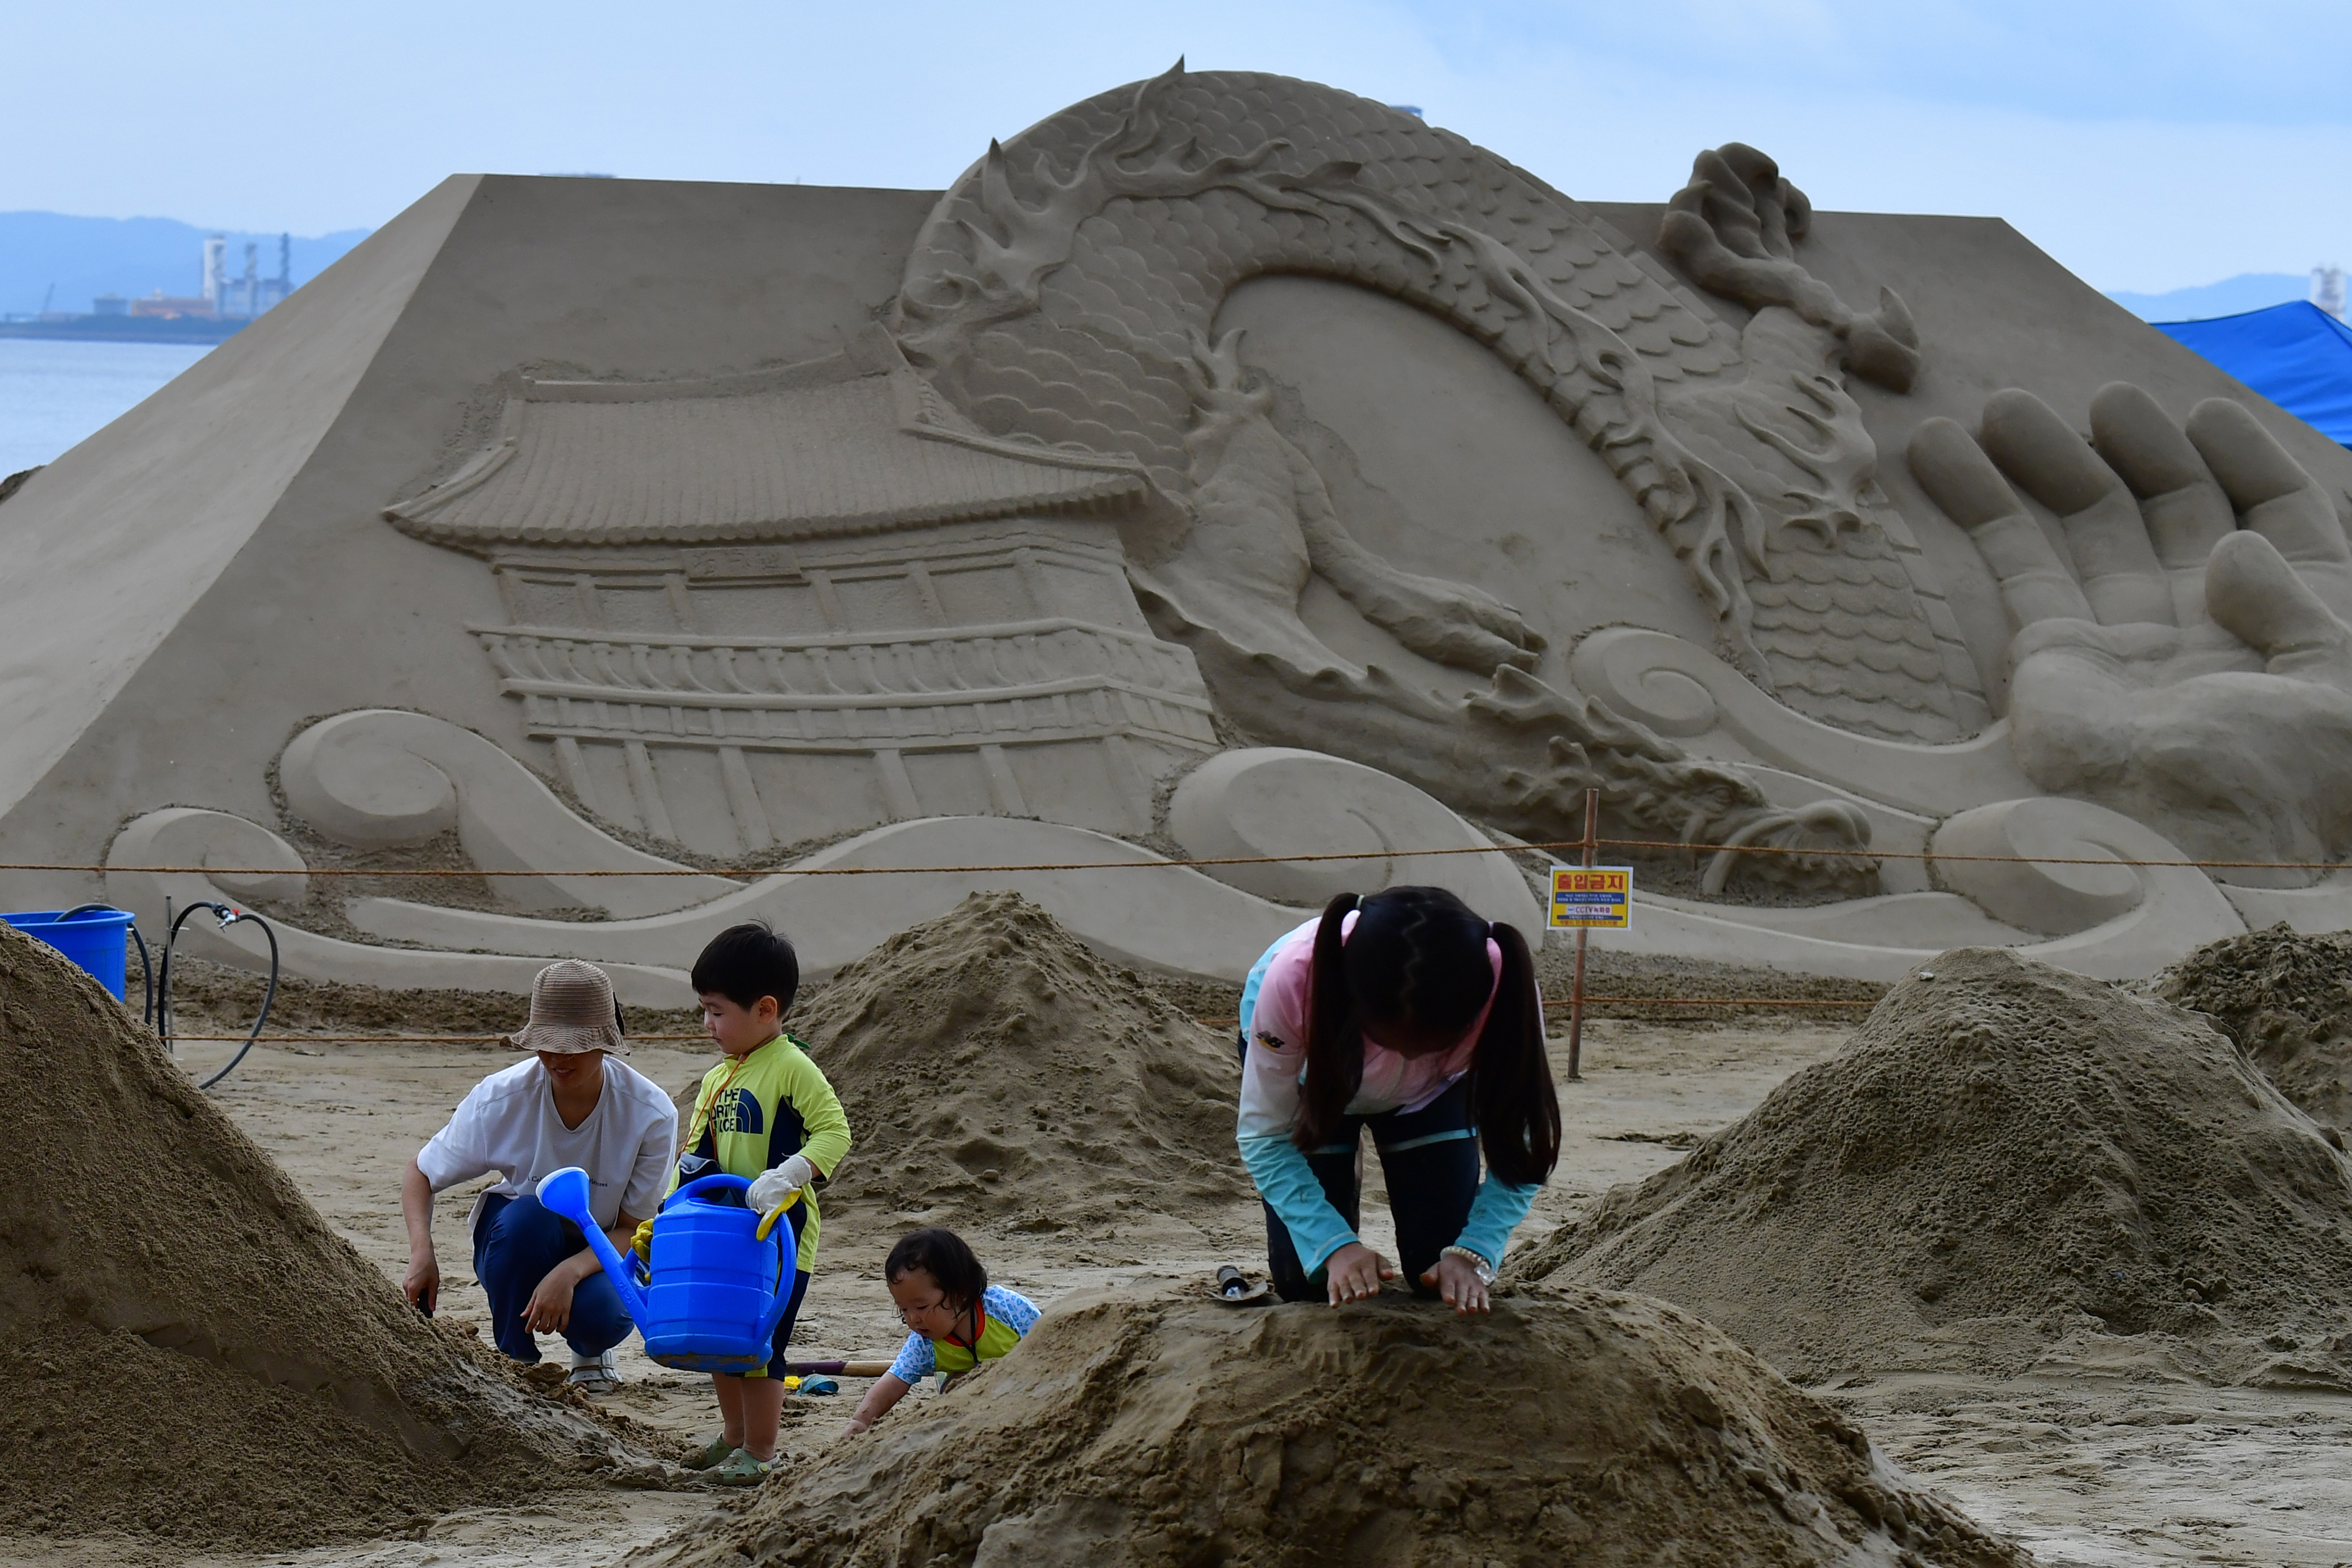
1576, 992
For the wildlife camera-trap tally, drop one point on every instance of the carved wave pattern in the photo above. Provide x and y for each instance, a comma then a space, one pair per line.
1097, 362
1022, 683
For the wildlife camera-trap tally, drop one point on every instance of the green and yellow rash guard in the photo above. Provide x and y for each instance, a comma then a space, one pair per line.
753, 1114
996, 1337
1004, 1318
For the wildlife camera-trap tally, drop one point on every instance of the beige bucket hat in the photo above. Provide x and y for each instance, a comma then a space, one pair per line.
571, 1009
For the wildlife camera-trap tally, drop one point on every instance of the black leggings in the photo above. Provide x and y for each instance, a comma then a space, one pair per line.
1429, 1158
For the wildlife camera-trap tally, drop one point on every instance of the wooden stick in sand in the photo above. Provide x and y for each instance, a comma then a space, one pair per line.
1576, 992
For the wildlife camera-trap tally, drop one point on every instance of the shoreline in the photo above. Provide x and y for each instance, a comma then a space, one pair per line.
130, 330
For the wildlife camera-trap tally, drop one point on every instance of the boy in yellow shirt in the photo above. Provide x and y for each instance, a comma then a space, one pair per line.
767, 1112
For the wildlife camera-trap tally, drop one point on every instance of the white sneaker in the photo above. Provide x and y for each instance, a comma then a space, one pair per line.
593, 1374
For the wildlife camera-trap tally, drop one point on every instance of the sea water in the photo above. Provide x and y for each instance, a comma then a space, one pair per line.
53, 395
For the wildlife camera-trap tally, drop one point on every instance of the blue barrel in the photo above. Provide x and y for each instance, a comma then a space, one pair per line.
92, 938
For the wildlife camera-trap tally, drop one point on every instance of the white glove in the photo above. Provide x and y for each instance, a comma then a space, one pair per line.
773, 1188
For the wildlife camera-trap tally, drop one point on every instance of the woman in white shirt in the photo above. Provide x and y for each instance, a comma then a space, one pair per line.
574, 1104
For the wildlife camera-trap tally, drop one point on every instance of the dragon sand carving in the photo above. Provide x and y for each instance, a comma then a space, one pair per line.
1065, 292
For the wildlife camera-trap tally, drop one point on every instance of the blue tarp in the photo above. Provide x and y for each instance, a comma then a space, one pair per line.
2297, 355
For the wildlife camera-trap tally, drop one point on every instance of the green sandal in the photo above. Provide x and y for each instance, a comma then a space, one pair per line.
712, 1453
740, 1470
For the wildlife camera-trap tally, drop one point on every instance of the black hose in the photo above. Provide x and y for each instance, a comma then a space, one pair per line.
147, 978
228, 916
146, 966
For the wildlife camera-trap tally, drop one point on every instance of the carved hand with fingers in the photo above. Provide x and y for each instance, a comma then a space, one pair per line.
2186, 657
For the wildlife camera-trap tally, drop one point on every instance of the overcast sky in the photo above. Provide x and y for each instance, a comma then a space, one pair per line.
2147, 146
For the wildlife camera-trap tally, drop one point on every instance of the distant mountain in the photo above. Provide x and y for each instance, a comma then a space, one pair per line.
84, 257
2231, 296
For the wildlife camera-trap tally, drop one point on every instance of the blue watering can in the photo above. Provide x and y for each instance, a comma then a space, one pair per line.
722, 1276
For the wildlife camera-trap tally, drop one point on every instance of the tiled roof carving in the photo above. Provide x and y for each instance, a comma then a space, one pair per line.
747, 459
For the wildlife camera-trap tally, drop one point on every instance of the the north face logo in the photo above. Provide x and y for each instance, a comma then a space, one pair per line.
737, 1111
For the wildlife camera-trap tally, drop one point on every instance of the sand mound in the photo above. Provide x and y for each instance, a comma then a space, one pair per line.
186, 1350
2007, 1162
995, 1068
2286, 1000
1141, 1426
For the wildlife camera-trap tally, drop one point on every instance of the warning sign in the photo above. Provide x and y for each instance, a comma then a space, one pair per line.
1593, 897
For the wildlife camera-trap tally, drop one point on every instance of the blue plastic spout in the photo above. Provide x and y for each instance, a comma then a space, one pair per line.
565, 1192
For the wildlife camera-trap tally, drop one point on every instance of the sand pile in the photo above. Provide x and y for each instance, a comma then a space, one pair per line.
2007, 1162
2286, 1000
1143, 1426
995, 1069
187, 1351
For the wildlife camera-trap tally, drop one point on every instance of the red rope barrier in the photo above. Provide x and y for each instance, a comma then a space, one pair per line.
1651, 846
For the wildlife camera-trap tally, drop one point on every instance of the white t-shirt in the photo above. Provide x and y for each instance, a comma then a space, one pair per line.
507, 1124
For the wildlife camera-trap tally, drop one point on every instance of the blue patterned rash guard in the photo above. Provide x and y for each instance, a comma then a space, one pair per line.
1002, 1309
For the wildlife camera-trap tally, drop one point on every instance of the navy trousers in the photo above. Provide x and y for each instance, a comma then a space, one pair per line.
776, 1364
515, 1242
1430, 1158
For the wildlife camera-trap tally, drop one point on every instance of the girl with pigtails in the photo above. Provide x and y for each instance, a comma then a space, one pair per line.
1406, 1015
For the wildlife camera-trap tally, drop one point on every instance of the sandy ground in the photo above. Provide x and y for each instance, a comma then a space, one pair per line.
2086, 1466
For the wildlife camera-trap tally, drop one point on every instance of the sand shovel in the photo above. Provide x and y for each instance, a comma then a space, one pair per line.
1234, 1289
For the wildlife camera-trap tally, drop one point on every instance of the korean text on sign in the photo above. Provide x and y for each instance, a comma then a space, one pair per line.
1596, 898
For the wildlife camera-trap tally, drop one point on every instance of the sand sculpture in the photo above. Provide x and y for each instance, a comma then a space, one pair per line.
2008, 1166
1576, 1427
1224, 466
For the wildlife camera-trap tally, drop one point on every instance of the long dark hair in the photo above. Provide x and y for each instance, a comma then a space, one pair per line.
1417, 960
